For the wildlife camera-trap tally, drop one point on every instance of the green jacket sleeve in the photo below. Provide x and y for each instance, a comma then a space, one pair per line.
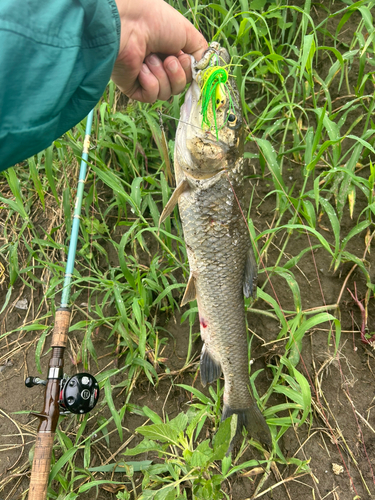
56, 58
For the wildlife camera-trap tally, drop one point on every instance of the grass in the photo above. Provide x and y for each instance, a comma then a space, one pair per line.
306, 82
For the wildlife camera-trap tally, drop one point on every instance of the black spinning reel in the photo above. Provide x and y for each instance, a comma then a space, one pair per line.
78, 394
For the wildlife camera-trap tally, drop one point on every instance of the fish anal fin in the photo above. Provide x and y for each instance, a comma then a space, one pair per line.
210, 368
251, 275
172, 202
190, 292
253, 421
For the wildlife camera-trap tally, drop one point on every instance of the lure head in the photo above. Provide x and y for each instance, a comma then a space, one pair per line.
209, 138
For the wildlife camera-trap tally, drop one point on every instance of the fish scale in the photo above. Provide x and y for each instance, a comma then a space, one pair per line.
211, 229
209, 170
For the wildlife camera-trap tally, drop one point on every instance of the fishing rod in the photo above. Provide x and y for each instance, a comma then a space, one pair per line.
63, 395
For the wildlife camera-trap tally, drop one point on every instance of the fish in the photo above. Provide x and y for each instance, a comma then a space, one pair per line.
209, 171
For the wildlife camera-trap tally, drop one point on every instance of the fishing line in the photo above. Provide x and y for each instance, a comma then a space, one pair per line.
178, 120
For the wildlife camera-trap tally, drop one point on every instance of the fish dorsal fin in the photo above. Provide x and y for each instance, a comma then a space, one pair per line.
168, 209
190, 292
209, 367
251, 275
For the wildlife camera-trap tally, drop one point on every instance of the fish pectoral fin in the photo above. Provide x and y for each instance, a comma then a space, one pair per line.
172, 202
251, 275
210, 368
190, 292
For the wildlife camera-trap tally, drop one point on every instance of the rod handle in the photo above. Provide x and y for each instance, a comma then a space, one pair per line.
61, 328
41, 466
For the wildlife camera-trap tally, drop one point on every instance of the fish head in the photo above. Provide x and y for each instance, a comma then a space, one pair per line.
209, 137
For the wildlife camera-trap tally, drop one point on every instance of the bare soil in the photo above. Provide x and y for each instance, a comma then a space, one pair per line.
338, 442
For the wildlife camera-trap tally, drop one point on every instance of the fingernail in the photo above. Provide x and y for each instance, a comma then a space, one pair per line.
185, 63
154, 60
173, 66
145, 69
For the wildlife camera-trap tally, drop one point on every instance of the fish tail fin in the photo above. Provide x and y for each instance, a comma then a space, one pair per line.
253, 421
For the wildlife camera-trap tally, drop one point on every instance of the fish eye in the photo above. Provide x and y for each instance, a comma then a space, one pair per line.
232, 118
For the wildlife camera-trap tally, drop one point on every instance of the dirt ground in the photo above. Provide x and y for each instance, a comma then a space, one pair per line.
339, 442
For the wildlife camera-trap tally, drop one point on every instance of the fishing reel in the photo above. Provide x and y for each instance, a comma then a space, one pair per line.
78, 394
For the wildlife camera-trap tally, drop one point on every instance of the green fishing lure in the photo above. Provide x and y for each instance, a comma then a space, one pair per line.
214, 91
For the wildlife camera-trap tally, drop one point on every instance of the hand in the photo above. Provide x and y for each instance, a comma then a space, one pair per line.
153, 61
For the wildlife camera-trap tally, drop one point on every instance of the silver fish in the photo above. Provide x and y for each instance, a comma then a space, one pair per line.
209, 174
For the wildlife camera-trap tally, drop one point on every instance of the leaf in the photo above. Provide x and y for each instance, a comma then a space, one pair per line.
179, 423
308, 324
142, 465
94, 484
160, 432
111, 406
257, 4
330, 211
311, 230
308, 51
270, 156
204, 399
36, 180
225, 464
367, 17
7, 299
16, 190
361, 141
136, 191
122, 259
48, 166
222, 439
39, 350
61, 462
120, 304
353, 232
201, 455
161, 143
306, 394
144, 447
154, 417
166, 493
167, 291
309, 137
279, 313
293, 285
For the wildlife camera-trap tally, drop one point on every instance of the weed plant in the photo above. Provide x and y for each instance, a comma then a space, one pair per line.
290, 67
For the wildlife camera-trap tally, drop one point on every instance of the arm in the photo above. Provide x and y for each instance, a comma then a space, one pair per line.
57, 57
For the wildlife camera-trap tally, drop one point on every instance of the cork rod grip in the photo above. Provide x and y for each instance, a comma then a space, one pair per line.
41, 466
61, 328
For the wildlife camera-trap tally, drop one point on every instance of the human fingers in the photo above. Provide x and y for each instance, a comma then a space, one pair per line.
160, 80
155, 65
185, 62
176, 74
148, 88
